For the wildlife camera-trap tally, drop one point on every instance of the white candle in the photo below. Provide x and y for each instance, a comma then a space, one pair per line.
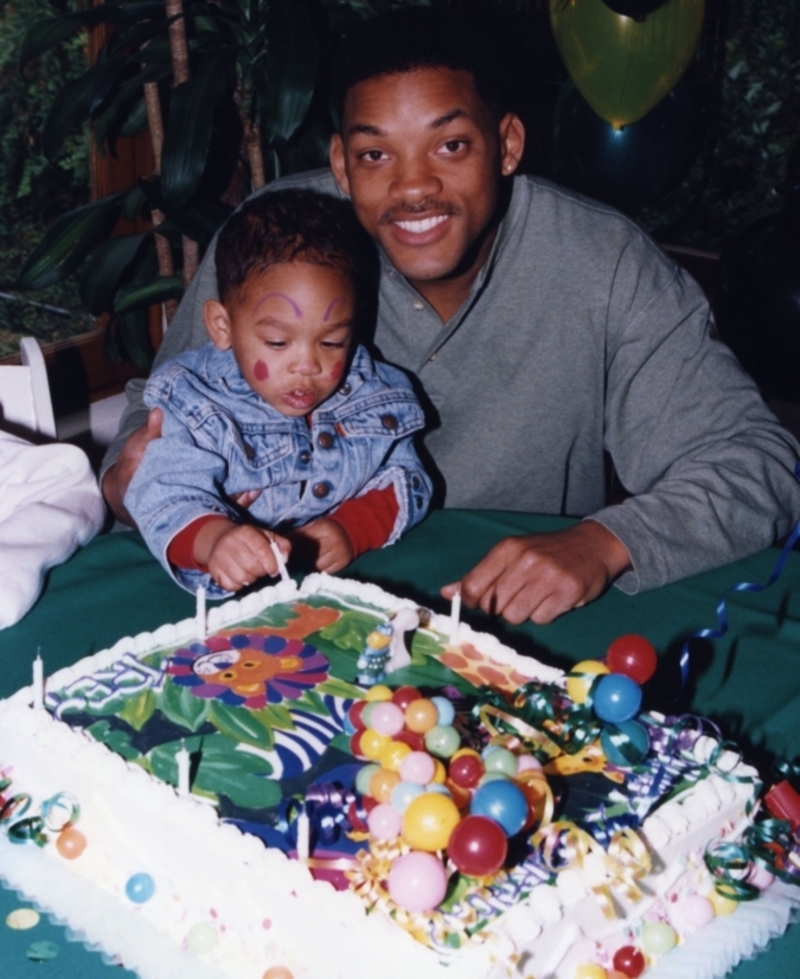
279, 560
183, 760
303, 836
200, 614
38, 682
455, 617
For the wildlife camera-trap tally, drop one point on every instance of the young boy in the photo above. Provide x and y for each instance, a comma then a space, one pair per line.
280, 410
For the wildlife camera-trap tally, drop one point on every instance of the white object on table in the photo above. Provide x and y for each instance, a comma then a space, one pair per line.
38, 682
279, 560
303, 836
455, 617
183, 760
200, 614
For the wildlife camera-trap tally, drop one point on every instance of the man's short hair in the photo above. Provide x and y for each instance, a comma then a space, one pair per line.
288, 226
410, 38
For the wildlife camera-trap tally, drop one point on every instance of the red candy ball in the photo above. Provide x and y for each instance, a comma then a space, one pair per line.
466, 771
629, 960
403, 696
632, 656
355, 744
355, 712
415, 741
477, 846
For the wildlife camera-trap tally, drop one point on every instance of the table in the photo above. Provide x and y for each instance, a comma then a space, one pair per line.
748, 681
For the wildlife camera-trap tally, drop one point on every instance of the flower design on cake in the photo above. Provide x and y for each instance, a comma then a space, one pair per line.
248, 669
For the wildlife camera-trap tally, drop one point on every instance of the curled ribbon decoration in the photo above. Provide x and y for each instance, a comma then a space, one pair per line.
722, 615
772, 844
729, 863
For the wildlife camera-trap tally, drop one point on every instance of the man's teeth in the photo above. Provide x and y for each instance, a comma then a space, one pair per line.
420, 226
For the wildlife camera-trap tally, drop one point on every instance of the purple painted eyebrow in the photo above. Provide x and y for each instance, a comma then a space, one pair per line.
281, 295
328, 310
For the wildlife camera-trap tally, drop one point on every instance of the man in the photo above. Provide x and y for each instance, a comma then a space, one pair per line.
547, 333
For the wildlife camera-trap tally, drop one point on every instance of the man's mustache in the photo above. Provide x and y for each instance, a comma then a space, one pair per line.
409, 210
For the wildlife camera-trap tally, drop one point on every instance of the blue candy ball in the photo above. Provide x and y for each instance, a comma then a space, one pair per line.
617, 698
140, 888
636, 743
445, 710
503, 802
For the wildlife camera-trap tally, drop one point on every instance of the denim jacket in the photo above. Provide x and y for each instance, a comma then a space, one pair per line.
219, 438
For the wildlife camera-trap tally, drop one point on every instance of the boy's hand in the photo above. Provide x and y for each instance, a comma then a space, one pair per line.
117, 479
238, 554
333, 548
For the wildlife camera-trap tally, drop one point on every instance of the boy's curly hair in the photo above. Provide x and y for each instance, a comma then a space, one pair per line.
288, 226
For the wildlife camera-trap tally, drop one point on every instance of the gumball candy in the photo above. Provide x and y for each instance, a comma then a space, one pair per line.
493, 777
759, 877
590, 970
632, 656
503, 802
722, 905
70, 843
417, 881
625, 744
403, 793
140, 888
364, 775
629, 960
617, 698
366, 713
527, 763
658, 937
392, 755
421, 715
465, 770
429, 820
478, 846
439, 787
416, 742
202, 937
354, 715
445, 710
418, 766
278, 972
501, 760
442, 740
385, 823
382, 783
378, 693
372, 743
439, 772
387, 718
403, 696
466, 751
355, 744
578, 685
460, 796
692, 913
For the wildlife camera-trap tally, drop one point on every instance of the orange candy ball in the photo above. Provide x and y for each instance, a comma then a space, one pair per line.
70, 843
421, 715
278, 972
382, 783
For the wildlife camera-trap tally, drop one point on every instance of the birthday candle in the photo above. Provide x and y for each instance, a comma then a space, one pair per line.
279, 560
303, 836
38, 682
200, 615
455, 617
183, 760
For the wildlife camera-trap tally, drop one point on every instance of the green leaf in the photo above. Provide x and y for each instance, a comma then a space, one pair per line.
138, 710
136, 122
340, 688
275, 715
351, 630
201, 221
76, 101
285, 77
188, 135
133, 333
99, 280
117, 741
134, 202
241, 724
45, 34
142, 295
68, 241
179, 705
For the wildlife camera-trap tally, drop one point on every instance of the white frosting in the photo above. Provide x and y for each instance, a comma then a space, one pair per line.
258, 908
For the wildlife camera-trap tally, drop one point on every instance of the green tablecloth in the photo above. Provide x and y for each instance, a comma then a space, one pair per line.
748, 681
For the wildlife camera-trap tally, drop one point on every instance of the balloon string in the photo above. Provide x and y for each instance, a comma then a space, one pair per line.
722, 617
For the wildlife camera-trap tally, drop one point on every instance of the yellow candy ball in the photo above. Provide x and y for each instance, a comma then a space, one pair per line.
379, 692
429, 821
590, 971
393, 754
439, 773
278, 972
722, 905
578, 686
465, 751
373, 743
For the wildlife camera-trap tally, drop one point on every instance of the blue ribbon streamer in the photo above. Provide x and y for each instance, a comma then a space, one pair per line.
722, 618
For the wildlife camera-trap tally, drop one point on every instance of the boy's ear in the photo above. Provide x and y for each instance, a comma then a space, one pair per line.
218, 324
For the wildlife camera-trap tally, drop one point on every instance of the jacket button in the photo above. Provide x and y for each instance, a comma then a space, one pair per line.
389, 422
324, 440
305, 457
249, 451
345, 388
321, 490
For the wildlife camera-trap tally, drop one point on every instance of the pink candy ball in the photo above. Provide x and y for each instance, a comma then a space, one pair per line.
385, 822
417, 767
527, 763
417, 881
691, 913
387, 718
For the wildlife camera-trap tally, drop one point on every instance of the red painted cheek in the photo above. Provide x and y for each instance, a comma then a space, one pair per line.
260, 371
337, 371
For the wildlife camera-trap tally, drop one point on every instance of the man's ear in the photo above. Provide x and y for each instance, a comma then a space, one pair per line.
512, 143
218, 324
336, 155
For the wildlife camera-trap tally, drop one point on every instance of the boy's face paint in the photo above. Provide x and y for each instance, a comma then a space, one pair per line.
290, 330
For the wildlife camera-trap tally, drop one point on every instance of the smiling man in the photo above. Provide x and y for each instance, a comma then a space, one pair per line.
547, 335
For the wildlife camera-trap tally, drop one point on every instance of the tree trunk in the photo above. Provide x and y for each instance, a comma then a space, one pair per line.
255, 156
166, 265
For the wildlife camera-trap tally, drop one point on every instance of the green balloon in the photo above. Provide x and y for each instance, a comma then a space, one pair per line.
624, 67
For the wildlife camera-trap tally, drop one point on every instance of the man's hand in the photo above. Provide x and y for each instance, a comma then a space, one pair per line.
117, 479
332, 545
541, 576
237, 554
